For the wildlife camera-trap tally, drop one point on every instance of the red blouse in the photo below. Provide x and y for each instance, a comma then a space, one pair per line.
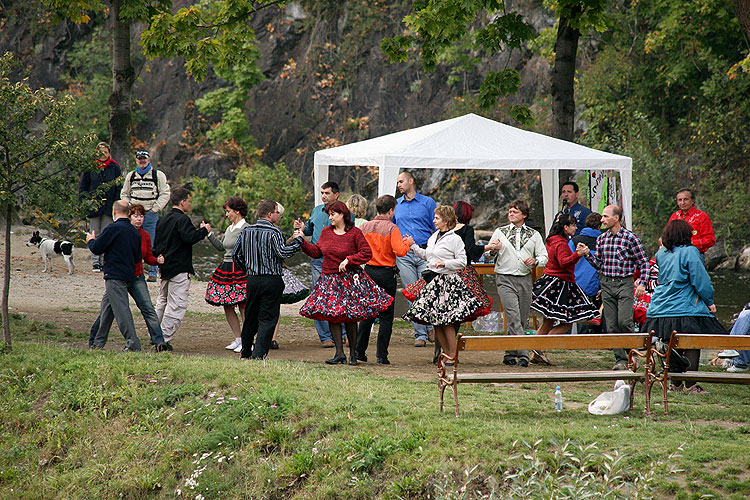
562, 260
334, 248
148, 255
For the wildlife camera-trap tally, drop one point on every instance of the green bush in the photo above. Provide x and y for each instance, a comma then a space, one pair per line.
252, 183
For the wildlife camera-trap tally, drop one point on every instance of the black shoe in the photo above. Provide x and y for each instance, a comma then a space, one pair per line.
523, 363
339, 358
168, 346
510, 361
362, 357
162, 347
383, 361
353, 361
274, 344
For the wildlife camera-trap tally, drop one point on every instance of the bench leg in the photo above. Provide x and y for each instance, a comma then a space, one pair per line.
441, 388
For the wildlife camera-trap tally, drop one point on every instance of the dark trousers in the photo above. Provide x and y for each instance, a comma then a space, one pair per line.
385, 278
261, 314
617, 298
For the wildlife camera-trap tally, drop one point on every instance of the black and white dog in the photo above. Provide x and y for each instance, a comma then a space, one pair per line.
50, 248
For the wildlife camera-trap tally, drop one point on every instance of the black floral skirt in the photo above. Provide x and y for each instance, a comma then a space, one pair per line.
346, 297
447, 300
561, 300
228, 286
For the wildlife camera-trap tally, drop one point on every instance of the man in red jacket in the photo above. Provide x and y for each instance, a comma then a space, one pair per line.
703, 231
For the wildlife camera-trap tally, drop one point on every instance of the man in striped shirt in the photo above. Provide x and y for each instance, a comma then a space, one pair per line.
619, 252
260, 250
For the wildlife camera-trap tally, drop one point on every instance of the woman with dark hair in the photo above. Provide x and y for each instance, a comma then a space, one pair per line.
443, 297
464, 212
228, 284
683, 300
344, 293
555, 295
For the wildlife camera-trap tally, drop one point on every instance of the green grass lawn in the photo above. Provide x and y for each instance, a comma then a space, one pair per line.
93, 424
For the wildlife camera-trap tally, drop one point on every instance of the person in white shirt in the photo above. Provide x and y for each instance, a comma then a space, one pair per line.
445, 298
519, 249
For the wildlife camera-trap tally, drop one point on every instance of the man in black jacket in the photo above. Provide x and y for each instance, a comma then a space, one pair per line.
175, 237
120, 244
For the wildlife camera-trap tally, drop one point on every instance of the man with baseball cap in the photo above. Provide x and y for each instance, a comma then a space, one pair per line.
147, 186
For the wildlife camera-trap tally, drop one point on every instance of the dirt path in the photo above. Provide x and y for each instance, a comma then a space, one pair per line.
73, 302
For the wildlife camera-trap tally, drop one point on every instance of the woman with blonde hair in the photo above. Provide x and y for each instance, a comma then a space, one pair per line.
357, 205
445, 300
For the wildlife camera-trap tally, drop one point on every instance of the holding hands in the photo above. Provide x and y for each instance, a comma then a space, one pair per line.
582, 249
494, 246
160, 260
298, 233
408, 240
90, 236
298, 224
206, 225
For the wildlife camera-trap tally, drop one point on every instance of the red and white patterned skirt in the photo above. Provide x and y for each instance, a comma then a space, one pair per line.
345, 297
228, 286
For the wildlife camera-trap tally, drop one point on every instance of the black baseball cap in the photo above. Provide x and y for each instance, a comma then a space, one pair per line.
142, 154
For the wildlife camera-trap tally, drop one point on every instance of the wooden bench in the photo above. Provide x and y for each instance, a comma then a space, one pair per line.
542, 342
691, 341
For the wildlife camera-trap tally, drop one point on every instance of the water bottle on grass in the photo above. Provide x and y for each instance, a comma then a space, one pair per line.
558, 399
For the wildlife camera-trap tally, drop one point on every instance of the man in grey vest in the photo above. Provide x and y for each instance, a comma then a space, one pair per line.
147, 186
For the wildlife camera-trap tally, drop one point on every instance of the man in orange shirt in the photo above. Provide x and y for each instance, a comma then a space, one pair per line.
703, 231
387, 243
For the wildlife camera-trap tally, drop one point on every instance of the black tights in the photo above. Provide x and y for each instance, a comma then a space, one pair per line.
338, 340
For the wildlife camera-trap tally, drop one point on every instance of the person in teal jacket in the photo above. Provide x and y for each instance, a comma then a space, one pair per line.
683, 300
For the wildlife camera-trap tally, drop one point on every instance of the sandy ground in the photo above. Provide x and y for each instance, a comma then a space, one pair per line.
73, 302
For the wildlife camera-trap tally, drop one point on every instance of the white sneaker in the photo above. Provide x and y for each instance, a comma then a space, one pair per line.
234, 344
728, 353
736, 369
238, 348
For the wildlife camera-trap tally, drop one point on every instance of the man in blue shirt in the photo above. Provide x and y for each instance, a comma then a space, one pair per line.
569, 195
413, 217
329, 193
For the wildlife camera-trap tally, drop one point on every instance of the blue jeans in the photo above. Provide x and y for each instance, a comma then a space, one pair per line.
139, 291
410, 266
742, 327
149, 225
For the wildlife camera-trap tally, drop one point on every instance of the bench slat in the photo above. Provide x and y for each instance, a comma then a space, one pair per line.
709, 377
545, 342
473, 378
706, 341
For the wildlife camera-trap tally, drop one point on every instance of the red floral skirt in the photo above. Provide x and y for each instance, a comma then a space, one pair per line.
228, 286
345, 297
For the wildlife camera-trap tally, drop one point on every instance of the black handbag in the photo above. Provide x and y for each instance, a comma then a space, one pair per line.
428, 275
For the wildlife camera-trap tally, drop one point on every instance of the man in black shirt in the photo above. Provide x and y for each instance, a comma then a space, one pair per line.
175, 237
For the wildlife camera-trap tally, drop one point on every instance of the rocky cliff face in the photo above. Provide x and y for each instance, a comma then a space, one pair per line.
327, 83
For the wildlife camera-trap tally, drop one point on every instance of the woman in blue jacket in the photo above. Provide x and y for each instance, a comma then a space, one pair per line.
683, 300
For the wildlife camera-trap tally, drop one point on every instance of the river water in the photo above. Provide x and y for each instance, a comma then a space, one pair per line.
732, 289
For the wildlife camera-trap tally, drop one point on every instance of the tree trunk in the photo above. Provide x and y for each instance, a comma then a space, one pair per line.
743, 12
6, 276
122, 88
563, 74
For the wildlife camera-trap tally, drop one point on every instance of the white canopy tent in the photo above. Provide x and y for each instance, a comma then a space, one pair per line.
474, 142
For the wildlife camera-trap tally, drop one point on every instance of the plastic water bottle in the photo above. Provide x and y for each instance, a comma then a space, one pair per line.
558, 399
